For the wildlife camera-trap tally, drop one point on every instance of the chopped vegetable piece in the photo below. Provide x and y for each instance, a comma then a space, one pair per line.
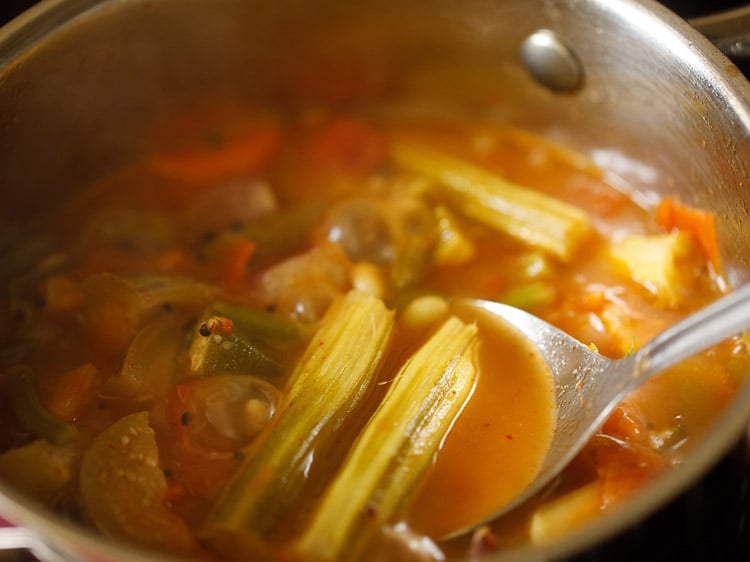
40, 469
118, 306
347, 145
330, 380
73, 391
151, 361
224, 412
217, 353
622, 466
665, 264
258, 323
532, 265
453, 247
561, 515
242, 154
281, 234
305, 285
227, 205
533, 218
672, 215
396, 447
236, 262
33, 416
530, 295
123, 488
418, 233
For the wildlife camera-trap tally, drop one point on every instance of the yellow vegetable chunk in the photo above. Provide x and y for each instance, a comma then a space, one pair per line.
331, 379
396, 447
561, 515
40, 469
123, 488
664, 264
531, 217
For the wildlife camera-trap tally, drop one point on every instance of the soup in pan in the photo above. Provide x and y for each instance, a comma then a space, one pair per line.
250, 342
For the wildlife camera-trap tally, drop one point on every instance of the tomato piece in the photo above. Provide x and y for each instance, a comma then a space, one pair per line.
348, 146
623, 467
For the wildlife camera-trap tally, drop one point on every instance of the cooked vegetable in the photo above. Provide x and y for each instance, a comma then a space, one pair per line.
258, 323
552, 520
396, 448
531, 217
123, 488
417, 229
453, 246
264, 285
217, 353
530, 295
74, 390
226, 158
224, 412
33, 416
237, 261
303, 286
150, 364
281, 234
40, 469
672, 215
328, 383
665, 264
118, 306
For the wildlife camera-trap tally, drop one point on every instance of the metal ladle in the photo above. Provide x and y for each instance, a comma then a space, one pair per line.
589, 386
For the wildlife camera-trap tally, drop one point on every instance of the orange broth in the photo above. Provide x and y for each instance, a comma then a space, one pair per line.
236, 211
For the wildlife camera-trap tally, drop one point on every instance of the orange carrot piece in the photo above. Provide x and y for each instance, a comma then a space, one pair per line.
235, 265
242, 154
625, 422
348, 145
623, 467
671, 215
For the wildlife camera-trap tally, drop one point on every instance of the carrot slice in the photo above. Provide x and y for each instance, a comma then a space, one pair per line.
235, 266
670, 215
207, 164
347, 145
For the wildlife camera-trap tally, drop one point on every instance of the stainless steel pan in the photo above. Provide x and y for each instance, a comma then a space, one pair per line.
655, 103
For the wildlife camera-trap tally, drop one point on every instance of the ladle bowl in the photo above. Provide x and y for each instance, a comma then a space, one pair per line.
589, 386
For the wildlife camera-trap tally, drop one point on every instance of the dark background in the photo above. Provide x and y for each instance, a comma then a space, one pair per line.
686, 8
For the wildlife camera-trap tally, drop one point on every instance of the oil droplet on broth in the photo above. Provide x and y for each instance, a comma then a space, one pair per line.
500, 439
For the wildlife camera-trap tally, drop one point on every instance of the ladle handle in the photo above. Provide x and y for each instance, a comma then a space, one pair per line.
727, 317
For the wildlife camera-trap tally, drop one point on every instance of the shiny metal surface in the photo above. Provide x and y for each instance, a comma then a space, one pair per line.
662, 110
551, 62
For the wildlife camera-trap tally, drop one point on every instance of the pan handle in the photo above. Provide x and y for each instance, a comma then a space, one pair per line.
729, 31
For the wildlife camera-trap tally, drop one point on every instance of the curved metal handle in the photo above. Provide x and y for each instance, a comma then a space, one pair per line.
729, 31
722, 319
